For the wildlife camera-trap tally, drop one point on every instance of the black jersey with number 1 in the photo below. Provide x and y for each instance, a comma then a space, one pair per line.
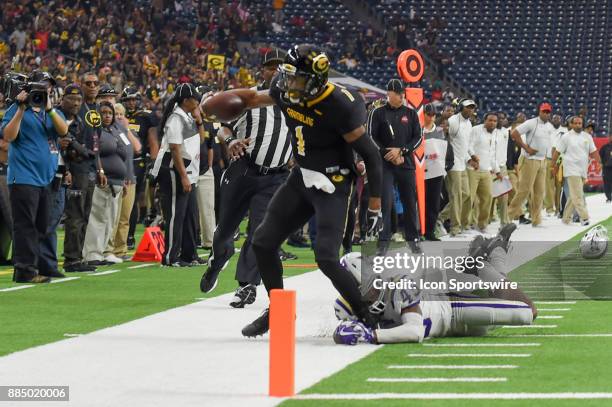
318, 125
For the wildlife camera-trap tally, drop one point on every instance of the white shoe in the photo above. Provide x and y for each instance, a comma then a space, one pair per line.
111, 258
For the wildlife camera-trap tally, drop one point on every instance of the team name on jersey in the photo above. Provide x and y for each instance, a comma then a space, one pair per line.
300, 117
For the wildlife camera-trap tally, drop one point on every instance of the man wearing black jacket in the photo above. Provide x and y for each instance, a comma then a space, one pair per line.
606, 168
396, 130
81, 159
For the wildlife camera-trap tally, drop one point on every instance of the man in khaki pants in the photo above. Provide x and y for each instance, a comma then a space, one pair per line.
457, 184
576, 146
501, 156
537, 133
552, 187
483, 162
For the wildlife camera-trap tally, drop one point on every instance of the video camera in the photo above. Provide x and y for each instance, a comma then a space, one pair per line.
12, 83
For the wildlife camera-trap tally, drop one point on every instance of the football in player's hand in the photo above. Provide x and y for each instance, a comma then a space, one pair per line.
223, 107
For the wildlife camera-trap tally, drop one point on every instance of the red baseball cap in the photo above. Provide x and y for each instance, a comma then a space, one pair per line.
545, 107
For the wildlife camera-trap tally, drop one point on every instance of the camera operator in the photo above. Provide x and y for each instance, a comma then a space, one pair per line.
32, 131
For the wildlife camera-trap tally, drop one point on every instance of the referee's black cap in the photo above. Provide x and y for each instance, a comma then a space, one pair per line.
395, 85
274, 56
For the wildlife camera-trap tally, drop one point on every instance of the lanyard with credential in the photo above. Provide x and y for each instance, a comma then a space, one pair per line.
43, 122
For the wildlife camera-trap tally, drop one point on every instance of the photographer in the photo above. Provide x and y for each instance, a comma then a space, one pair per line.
82, 163
32, 131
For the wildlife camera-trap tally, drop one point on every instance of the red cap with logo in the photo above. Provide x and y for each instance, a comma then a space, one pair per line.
545, 107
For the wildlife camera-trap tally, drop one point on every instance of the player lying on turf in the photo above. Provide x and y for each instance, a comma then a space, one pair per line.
411, 316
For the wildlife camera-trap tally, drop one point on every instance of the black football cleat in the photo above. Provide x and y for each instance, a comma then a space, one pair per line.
506, 231
258, 327
244, 296
209, 280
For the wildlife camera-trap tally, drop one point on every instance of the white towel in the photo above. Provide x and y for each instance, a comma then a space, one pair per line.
318, 180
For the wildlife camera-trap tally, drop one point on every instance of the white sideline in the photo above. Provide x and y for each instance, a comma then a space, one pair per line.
528, 326
189, 356
469, 355
103, 273
138, 266
452, 367
454, 396
483, 345
550, 316
63, 280
435, 379
553, 309
19, 287
194, 355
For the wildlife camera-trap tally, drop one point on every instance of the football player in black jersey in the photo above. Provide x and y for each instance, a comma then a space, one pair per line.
327, 124
144, 124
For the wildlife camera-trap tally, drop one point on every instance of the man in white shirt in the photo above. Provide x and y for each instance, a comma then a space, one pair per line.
576, 146
501, 155
537, 132
552, 187
483, 163
457, 184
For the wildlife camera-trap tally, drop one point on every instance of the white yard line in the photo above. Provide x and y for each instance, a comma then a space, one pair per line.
453, 367
19, 287
550, 316
553, 309
483, 345
528, 326
455, 396
103, 273
554, 302
72, 335
469, 355
435, 379
63, 280
603, 335
189, 356
138, 266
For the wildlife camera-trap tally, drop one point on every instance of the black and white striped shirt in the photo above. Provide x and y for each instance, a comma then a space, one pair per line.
270, 144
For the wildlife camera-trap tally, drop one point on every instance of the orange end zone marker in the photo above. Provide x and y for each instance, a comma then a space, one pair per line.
282, 343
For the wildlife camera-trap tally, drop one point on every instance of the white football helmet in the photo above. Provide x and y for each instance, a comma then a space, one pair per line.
352, 263
594, 243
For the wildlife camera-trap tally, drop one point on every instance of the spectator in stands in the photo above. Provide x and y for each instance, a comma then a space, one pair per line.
459, 206
605, 153
277, 6
576, 146
32, 133
106, 196
537, 131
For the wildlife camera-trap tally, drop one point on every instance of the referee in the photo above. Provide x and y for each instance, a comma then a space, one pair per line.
396, 130
260, 149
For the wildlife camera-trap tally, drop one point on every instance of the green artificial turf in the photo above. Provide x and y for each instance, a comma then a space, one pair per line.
558, 365
46, 312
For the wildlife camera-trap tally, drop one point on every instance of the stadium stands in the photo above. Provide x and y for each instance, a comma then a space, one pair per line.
517, 53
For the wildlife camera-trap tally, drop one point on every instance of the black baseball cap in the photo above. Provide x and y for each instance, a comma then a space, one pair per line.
186, 91
429, 109
395, 85
274, 56
73, 89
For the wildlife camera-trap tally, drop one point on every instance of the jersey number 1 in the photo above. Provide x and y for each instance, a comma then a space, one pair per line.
301, 145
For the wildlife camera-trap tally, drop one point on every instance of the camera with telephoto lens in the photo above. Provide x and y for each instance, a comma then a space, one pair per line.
12, 83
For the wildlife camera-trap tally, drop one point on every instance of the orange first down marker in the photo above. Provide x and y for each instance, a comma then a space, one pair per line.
282, 343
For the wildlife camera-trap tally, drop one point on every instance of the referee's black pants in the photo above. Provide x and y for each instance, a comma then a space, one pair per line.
292, 205
405, 180
180, 210
433, 193
243, 189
